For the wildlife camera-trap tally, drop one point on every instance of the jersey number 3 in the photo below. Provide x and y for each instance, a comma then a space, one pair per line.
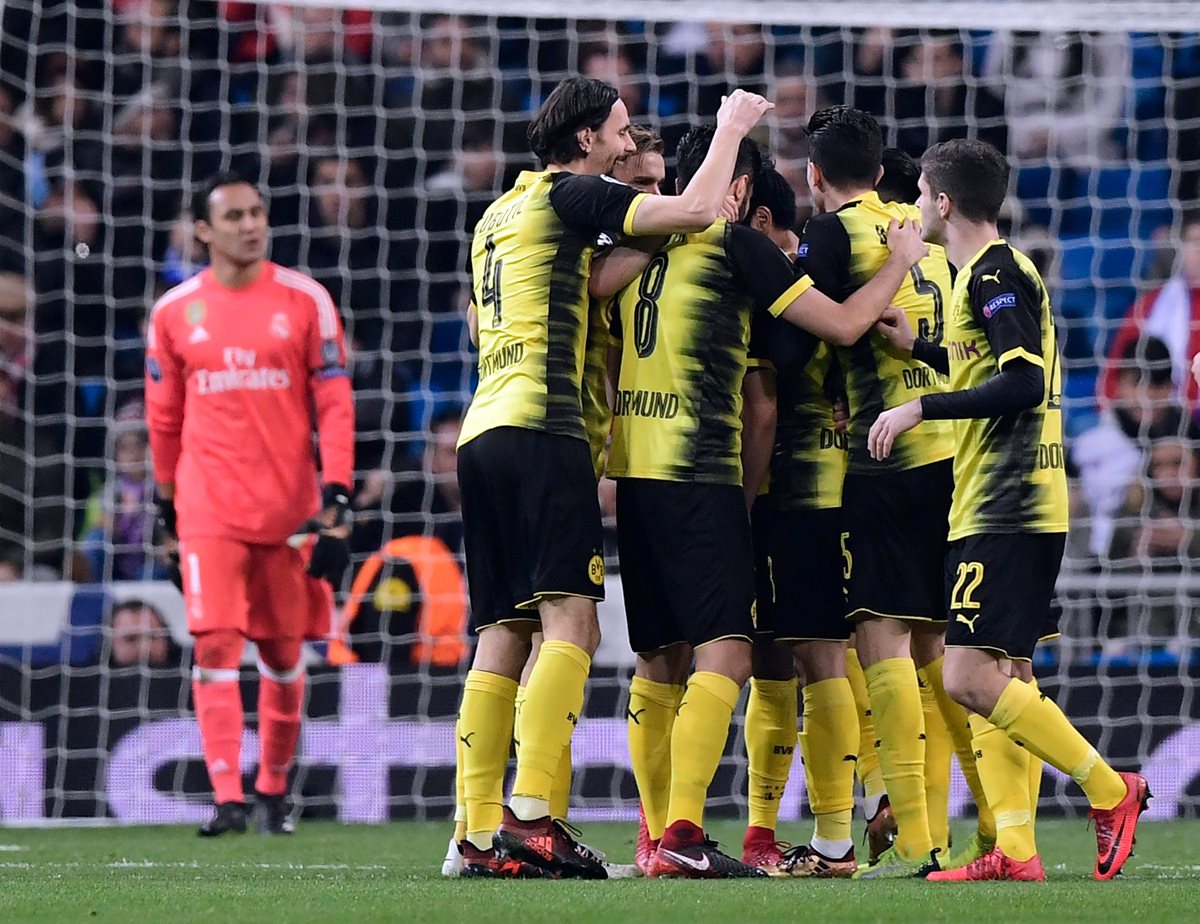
645, 313
491, 280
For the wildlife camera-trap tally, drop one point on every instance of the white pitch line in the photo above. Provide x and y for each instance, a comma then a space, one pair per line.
12, 848
193, 865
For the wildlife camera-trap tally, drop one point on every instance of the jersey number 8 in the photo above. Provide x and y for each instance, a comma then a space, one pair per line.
645, 313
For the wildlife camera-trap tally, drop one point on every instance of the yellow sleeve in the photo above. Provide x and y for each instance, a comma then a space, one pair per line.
627, 225
794, 291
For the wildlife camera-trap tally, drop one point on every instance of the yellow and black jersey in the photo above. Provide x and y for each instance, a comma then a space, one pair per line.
841, 251
597, 414
530, 261
808, 464
1009, 474
685, 328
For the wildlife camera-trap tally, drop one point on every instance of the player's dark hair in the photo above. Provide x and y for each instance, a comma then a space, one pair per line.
973, 174
693, 148
846, 144
1147, 356
774, 193
575, 104
211, 185
900, 174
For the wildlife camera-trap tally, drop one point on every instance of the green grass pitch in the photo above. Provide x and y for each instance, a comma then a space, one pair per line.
331, 873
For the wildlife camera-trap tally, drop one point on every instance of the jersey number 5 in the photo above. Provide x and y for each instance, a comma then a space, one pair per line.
645, 313
491, 280
924, 286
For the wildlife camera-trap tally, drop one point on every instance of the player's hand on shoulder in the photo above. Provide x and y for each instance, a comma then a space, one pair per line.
741, 110
893, 325
904, 239
729, 209
889, 425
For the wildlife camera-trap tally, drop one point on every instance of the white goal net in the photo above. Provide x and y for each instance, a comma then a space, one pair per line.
380, 132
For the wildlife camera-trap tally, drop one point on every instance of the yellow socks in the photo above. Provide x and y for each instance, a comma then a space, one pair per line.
1037, 723
553, 701
770, 744
1004, 769
896, 709
560, 795
938, 746
829, 742
651, 717
460, 796
518, 704
484, 734
1036, 765
697, 742
870, 774
954, 718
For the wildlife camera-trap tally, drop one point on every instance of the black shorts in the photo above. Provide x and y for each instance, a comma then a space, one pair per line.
896, 528
762, 514
1000, 590
808, 573
687, 570
531, 522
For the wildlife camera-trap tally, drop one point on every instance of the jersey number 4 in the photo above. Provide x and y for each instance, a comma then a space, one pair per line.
491, 280
645, 313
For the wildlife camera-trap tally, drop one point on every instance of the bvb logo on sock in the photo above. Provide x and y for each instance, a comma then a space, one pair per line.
596, 570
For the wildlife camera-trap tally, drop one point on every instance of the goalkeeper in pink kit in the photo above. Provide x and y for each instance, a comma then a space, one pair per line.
240, 361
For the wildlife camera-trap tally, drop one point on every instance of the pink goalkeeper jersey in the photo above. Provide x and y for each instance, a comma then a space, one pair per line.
235, 380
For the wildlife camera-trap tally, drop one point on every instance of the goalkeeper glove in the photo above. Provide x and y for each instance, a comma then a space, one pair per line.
335, 501
331, 551
168, 536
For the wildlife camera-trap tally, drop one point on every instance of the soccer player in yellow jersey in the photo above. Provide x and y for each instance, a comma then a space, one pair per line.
800, 607
644, 170
1008, 521
893, 528
683, 531
530, 514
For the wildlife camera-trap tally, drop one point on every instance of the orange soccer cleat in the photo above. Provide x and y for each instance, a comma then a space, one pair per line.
1116, 827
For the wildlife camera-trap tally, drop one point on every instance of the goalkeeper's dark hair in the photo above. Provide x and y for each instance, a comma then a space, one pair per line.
693, 148
972, 174
900, 175
847, 145
774, 193
212, 184
575, 104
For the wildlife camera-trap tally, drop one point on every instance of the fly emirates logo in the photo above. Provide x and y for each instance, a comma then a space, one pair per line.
241, 374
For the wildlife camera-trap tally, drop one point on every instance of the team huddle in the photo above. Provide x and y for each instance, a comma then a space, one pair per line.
839, 469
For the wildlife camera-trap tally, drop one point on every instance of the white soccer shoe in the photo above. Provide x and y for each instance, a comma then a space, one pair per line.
453, 863
614, 870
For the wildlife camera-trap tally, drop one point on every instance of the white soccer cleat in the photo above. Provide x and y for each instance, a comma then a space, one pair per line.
453, 863
614, 870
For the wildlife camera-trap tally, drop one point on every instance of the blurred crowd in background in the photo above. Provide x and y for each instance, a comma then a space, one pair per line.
379, 140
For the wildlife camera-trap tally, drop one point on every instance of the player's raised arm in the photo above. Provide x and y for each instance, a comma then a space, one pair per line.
700, 203
845, 323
